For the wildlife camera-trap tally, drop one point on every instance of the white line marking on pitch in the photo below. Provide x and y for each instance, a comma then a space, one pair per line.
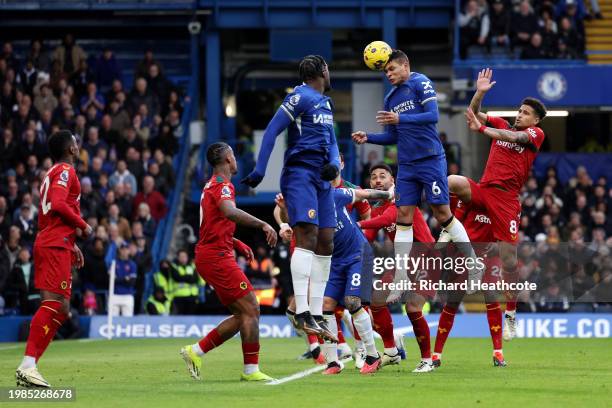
304, 373
10, 347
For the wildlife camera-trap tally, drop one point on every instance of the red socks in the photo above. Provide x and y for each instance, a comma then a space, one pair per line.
212, 340
421, 332
45, 323
494, 317
250, 353
383, 324
447, 318
510, 305
339, 312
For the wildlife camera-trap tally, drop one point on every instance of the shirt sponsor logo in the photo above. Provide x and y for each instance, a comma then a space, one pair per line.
512, 146
427, 87
482, 219
404, 106
323, 118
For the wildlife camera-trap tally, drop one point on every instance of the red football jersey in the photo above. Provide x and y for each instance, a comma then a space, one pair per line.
384, 216
509, 163
59, 210
216, 231
476, 222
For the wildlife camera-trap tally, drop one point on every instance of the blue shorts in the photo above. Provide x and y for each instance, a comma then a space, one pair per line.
427, 175
351, 278
309, 199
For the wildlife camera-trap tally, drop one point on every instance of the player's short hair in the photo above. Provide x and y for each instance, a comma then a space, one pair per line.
311, 67
537, 106
399, 56
216, 153
383, 166
58, 143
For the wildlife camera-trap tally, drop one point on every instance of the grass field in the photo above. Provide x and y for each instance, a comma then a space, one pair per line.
150, 373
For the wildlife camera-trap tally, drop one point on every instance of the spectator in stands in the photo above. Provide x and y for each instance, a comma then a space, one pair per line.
26, 223
69, 54
116, 88
107, 70
92, 98
185, 283
474, 23
8, 150
141, 94
549, 39
115, 218
165, 167
93, 143
5, 221
9, 56
45, 100
125, 283
94, 273
21, 281
159, 85
534, 50
5, 268
499, 32
26, 78
259, 270
120, 119
130, 140
524, 25
122, 175
142, 69
39, 56
174, 103
574, 13
148, 223
153, 198
571, 38
139, 251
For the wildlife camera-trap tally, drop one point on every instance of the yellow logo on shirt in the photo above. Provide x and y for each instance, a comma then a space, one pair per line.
64, 285
243, 285
312, 214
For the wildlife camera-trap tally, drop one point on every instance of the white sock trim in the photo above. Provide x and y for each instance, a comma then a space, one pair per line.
197, 349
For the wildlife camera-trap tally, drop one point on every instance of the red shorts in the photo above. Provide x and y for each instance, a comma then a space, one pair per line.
53, 270
225, 276
503, 208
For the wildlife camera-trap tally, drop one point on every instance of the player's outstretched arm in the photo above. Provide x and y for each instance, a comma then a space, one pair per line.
230, 211
280, 121
483, 85
370, 194
386, 138
497, 134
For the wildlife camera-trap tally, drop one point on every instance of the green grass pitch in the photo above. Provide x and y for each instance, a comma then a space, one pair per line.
150, 373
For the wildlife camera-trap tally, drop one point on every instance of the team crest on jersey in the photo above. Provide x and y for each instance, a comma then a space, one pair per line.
64, 284
294, 100
226, 192
312, 214
243, 285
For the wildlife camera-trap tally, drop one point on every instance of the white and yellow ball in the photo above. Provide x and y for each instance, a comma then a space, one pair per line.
376, 54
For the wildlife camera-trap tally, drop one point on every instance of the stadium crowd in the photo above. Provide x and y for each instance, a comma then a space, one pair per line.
531, 29
128, 137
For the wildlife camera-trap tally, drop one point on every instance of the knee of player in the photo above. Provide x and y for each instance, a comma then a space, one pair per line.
441, 213
329, 304
415, 305
352, 303
509, 262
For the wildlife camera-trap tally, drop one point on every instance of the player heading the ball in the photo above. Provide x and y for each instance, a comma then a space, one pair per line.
410, 116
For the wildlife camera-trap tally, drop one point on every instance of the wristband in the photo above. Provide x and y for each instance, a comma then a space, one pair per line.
481, 129
285, 225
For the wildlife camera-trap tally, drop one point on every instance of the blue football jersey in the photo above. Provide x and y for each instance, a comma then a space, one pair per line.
414, 141
311, 132
348, 238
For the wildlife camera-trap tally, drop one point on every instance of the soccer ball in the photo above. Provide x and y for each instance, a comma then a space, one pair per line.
376, 55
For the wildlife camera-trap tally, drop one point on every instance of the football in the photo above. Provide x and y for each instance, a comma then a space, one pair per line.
376, 54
